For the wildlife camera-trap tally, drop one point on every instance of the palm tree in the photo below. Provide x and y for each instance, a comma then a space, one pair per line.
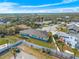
50, 37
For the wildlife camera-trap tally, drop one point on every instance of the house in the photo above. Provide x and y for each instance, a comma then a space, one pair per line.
4, 21
40, 35
69, 40
73, 27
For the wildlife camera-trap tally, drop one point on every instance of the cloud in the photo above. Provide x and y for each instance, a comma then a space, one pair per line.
7, 4
11, 4
57, 10
46, 5
68, 1
10, 7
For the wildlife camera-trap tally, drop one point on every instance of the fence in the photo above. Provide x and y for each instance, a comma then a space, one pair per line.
26, 36
52, 51
6, 49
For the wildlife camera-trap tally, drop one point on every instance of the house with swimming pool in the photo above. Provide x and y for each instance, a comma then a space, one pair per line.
36, 34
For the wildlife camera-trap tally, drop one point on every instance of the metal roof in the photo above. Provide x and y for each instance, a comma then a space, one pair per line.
40, 34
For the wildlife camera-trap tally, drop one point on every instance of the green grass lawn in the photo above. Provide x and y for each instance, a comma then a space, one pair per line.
38, 42
41, 43
8, 39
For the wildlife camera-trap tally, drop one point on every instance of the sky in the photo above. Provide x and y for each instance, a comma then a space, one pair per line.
39, 6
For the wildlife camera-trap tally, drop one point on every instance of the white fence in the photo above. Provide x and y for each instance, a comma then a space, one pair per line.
52, 51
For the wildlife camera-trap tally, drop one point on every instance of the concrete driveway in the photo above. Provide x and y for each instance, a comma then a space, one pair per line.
23, 55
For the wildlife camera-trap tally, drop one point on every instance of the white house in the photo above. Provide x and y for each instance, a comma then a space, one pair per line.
69, 40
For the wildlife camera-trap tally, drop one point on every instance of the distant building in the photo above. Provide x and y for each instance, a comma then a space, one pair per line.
69, 40
73, 27
42, 22
67, 17
41, 35
4, 21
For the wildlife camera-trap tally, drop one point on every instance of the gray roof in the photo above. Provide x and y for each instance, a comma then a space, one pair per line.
41, 34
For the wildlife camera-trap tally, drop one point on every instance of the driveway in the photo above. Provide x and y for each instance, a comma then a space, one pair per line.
23, 55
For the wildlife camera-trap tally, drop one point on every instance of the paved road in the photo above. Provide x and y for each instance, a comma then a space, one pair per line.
23, 55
